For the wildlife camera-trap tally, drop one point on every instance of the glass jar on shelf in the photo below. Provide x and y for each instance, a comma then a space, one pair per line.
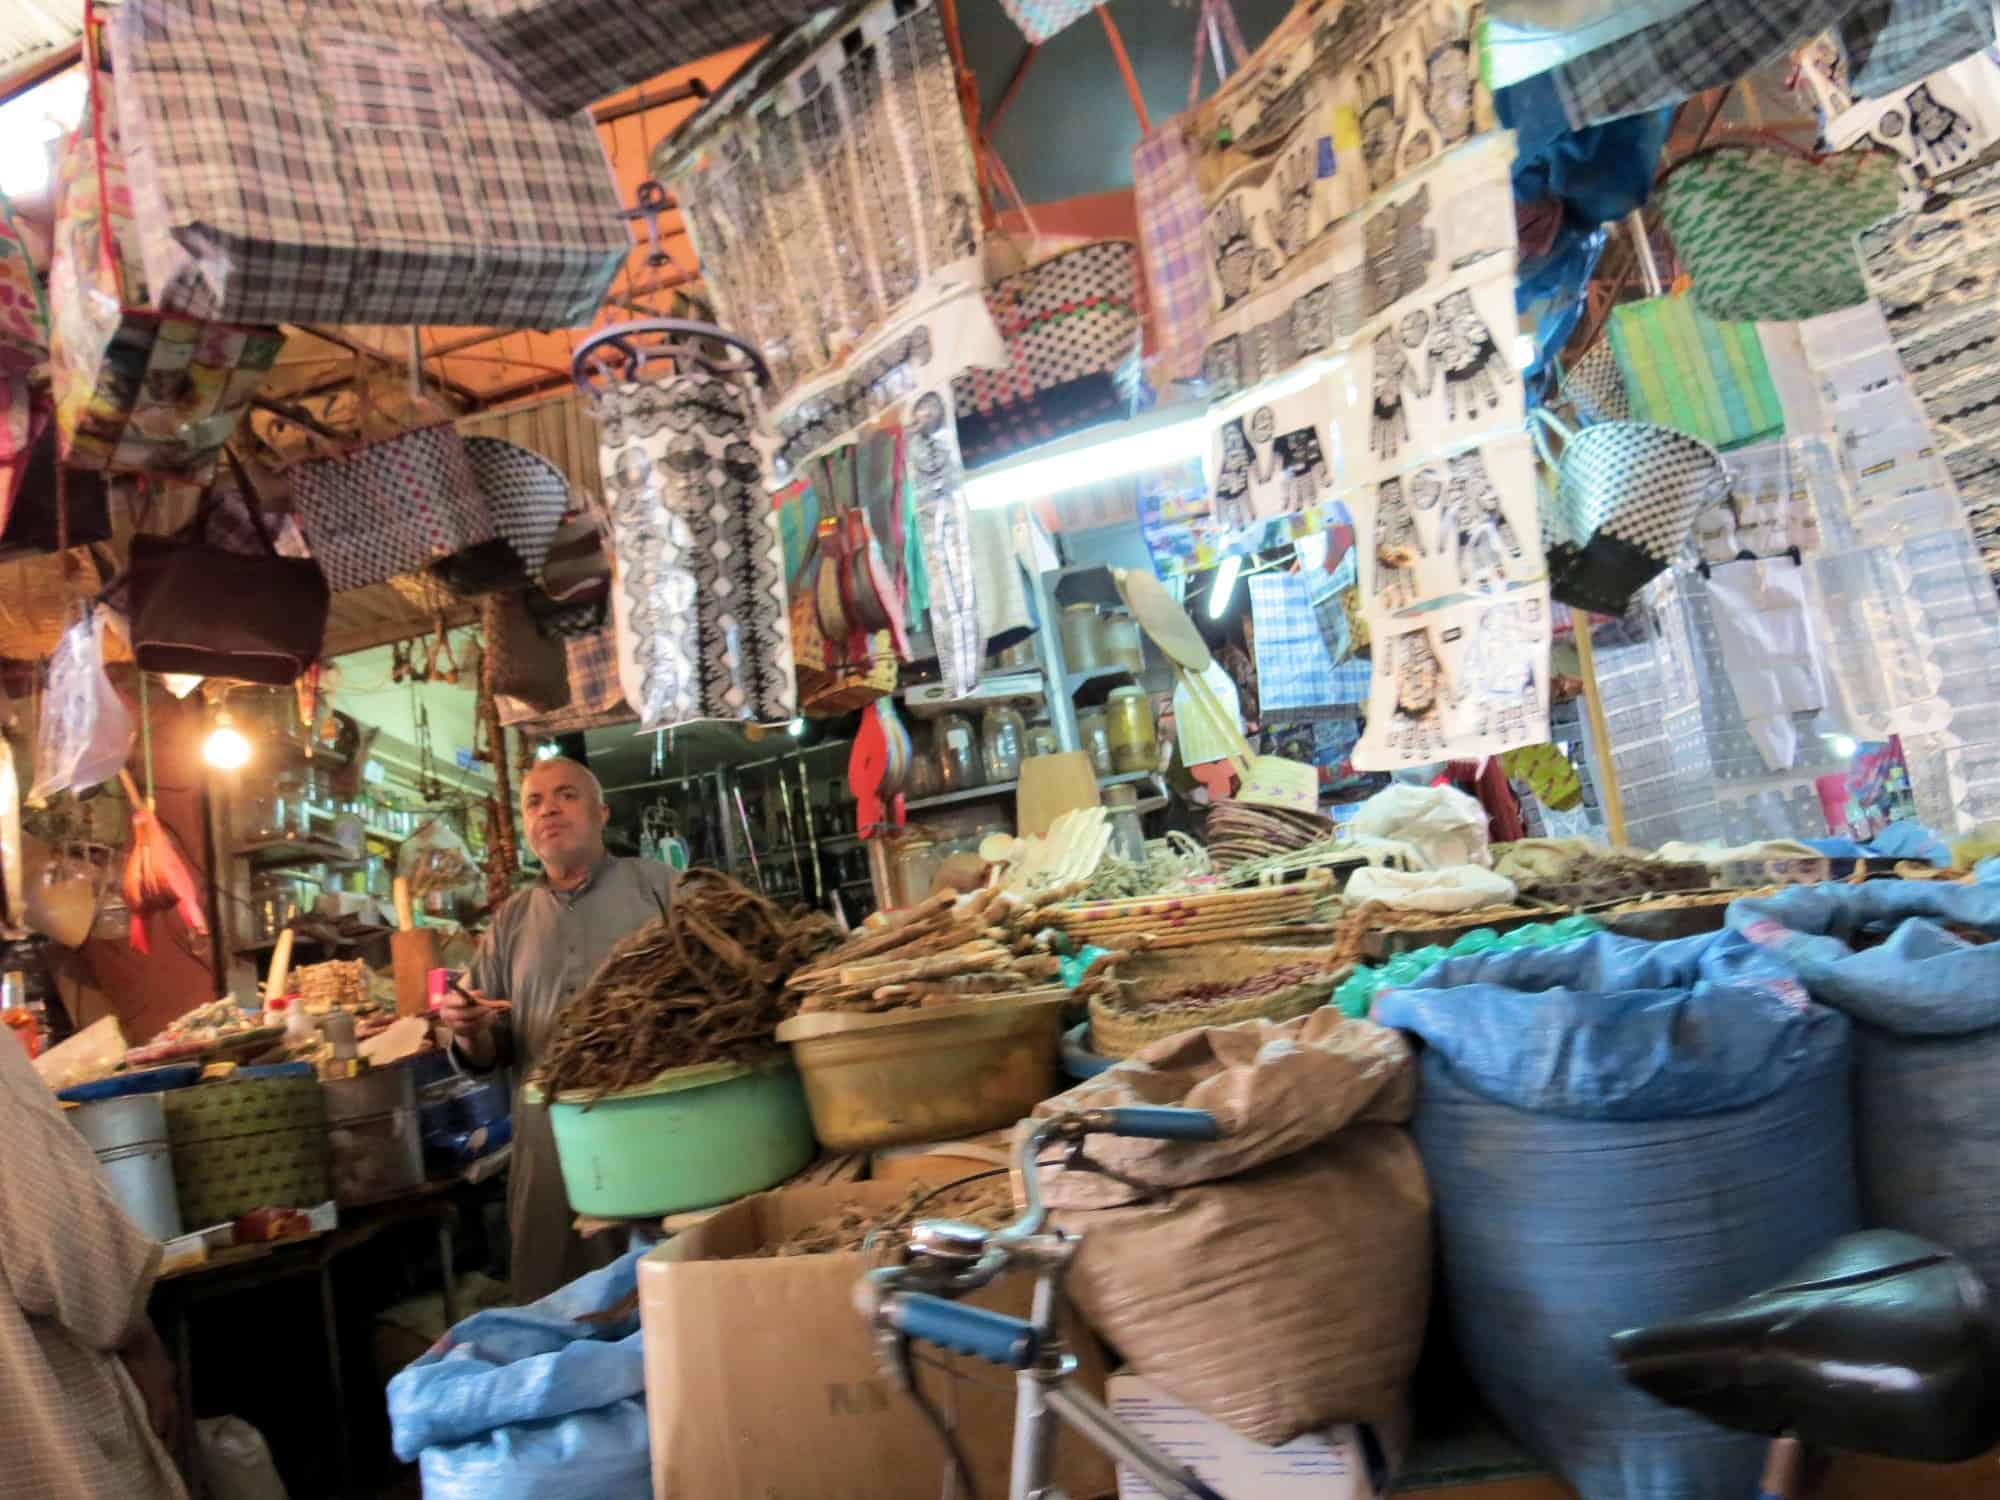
924, 778
1041, 741
1134, 745
1093, 737
915, 864
1003, 738
1121, 811
1118, 640
1081, 645
959, 766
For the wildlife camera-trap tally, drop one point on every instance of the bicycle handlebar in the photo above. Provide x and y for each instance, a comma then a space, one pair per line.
991, 1336
1159, 1124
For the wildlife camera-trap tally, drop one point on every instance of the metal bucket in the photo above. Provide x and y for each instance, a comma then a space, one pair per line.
373, 1129
129, 1136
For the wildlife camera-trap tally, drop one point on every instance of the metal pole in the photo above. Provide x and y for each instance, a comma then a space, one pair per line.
1642, 246
1605, 769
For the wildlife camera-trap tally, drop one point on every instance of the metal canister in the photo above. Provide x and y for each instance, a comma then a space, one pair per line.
375, 1135
129, 1136
1134, 746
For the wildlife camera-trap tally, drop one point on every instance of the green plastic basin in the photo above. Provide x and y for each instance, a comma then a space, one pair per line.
692, 1138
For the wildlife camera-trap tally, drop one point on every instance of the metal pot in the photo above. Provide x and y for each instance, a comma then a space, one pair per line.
129, 1136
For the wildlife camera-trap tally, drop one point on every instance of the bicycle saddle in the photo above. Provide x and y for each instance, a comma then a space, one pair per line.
1882, 1343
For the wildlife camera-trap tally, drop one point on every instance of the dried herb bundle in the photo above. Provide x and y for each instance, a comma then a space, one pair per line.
704, 983
941, 951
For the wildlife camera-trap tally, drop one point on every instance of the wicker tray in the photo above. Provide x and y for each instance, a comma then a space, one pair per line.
1148, 977
1117, 1033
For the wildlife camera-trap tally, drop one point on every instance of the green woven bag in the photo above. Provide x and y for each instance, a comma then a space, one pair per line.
1768, 236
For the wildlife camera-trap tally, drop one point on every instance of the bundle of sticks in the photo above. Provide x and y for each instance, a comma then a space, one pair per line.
1162, 921
939, 952
704, 983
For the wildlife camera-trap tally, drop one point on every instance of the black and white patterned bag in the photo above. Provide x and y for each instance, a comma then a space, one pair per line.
1625, 500
527, 497
391, 507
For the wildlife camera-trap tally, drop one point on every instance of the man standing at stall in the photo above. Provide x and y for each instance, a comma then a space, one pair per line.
544, 945
85, 1383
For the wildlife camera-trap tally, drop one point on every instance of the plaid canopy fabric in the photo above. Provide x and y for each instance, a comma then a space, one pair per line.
564, 55
349, 162
1709, 45
1891, 44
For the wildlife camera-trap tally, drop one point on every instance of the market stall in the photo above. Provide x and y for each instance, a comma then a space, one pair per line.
728, 716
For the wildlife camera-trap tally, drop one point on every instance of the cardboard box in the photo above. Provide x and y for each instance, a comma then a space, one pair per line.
1328, 1465
943, 1161
762, 1383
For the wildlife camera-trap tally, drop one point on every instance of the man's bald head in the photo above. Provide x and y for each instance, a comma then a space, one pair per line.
563, 814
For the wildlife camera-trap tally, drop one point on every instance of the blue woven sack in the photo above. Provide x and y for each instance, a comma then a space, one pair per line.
1926, 1006
1618, 1132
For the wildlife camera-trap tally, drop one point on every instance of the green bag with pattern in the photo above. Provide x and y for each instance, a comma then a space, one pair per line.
1767, 234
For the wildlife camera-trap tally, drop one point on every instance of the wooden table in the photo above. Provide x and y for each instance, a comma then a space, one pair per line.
243, 1268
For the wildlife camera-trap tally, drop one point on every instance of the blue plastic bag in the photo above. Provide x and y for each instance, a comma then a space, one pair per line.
1618, 1132
1927, 1044
521, 1403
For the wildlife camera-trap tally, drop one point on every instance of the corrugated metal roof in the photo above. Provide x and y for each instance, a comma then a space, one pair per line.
30, 29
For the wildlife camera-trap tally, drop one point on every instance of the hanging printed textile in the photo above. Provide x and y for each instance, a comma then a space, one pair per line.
698, 591
1934, 126
1326, 115
1936, 275
838, 195
1461, 682
903, 378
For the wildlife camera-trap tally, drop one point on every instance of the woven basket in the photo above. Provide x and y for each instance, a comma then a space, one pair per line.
1147, 978
1115, 1032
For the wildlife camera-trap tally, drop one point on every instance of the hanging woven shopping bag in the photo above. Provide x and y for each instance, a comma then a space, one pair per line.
1626, 495
24, 310
572, 594
136, 390
391, 507
1073, 328
527, 672
204, 610
349, 162
1767, 232
1683, 369
527, 497
1166, 192
565, 55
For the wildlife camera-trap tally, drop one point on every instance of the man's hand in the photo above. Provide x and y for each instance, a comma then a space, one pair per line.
145, 1360
470, 1017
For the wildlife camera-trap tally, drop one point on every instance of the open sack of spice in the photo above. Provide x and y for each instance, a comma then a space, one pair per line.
1277, 1279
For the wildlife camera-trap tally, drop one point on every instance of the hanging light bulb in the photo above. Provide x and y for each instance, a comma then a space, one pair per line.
225, 748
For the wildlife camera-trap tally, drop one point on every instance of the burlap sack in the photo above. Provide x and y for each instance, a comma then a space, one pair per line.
1278, 1279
